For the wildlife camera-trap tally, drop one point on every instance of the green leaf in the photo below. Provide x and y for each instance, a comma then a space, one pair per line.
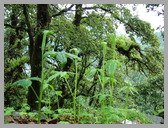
63, 74
72, 56
46, 32
58, 93
61, 57
90, 72
111, 67
35, 78
51, 86
8, 111
52, 77
51, 53
23, 83
106, 79
102, 97
57, 74
113, 39
45, 86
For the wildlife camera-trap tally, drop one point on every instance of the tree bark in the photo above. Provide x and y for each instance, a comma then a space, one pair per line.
42, 23
78, 15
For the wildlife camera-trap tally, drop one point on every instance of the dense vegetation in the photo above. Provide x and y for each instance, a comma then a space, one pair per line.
67, 64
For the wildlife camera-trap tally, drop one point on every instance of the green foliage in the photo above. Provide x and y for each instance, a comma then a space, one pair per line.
90, 72
8, 111
111, 67
15, 62
84, 67
23, 83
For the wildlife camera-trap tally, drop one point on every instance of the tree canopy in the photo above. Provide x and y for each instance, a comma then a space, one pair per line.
76, 50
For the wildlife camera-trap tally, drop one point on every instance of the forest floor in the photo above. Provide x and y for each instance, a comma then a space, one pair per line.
65, 120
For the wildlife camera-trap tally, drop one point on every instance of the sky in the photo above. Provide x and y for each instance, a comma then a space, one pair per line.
142, 13
151, 16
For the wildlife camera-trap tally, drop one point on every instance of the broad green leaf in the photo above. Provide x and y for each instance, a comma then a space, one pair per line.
61, 57
23, 83
111, 66
90, 72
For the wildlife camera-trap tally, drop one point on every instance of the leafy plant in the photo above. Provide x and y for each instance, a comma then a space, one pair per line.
8, 111
128, 89
76, 51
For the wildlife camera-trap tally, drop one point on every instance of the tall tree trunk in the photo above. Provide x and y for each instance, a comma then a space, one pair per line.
42, 23
78, 15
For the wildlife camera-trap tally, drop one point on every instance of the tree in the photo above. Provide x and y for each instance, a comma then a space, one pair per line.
83, 27
43, 20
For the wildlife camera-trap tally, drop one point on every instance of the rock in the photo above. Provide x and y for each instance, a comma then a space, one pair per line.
155, 119
129, 122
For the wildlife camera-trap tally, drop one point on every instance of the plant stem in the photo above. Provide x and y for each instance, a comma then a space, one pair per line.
69, 86
126, 104
111, 90
41, 89
103, 74
76, 78
42, 77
